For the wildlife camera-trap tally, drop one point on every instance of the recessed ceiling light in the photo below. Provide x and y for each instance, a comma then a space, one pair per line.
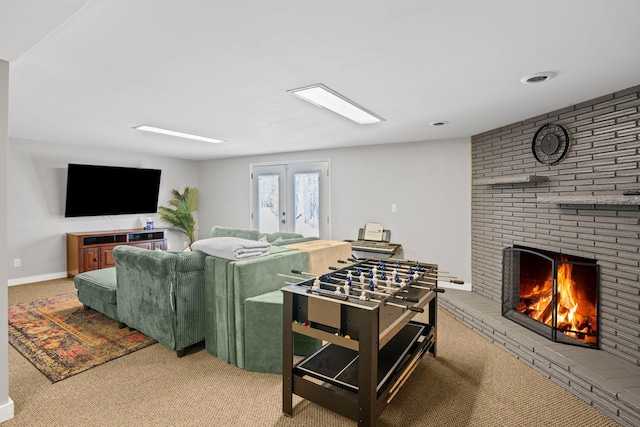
538, 77
324, 97
178, 134
440, 123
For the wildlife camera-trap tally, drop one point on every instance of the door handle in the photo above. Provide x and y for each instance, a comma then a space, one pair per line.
282, 221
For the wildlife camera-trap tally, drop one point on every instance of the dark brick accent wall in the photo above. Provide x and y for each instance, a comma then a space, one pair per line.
603, 159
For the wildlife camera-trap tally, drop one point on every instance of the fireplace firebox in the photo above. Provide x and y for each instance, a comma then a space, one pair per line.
555, 295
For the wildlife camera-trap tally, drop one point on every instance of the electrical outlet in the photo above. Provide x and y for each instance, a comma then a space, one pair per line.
16, 262
394, 208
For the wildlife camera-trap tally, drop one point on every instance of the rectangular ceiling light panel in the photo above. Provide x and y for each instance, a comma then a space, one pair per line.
322, 96
178, 134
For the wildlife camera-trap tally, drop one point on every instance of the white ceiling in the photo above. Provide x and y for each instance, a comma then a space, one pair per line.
85, 72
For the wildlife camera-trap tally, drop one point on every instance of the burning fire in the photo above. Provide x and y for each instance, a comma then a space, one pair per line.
574, 314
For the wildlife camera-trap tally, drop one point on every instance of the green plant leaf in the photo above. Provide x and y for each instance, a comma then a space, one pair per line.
179, 213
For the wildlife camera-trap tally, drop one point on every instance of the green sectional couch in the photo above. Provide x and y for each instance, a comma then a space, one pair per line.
182, 298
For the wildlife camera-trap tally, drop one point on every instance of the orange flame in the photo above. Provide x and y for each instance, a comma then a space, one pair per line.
568, 307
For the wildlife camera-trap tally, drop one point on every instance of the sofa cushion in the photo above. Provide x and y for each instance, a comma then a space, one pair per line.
263, 334
100, 284
242, 233
97, 289
283, 242
272, 237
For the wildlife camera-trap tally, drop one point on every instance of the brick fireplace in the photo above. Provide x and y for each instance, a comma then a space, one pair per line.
574, 207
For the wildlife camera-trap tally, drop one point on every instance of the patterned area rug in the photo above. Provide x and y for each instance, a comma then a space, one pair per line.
62, 339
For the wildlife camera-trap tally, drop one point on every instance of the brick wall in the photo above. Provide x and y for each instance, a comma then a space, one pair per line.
603, 159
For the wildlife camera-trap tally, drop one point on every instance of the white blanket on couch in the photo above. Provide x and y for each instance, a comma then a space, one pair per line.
231, 248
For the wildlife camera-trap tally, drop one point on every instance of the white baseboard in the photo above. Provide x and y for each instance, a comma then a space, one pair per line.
6, 411
465, 287
33, 279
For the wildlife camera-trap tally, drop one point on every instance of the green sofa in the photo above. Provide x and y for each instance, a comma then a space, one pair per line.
161, 294
229, 284
182, 298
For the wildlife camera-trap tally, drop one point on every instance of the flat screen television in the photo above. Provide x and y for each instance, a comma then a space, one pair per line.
110, 190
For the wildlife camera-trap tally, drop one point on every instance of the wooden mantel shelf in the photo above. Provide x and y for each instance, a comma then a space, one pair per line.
616, 199
510, 179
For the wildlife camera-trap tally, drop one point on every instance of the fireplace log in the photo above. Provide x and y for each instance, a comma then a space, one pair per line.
564, 326
546, 313
535, 298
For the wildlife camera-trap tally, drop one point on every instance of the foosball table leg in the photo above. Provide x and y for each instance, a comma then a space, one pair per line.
433, 321
368, 368
287, 355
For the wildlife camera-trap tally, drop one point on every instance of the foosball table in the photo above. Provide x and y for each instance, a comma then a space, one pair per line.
364, 314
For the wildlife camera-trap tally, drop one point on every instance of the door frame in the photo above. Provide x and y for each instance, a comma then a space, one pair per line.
325, 192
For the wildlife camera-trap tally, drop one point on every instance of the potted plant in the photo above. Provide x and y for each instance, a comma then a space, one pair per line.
179, 213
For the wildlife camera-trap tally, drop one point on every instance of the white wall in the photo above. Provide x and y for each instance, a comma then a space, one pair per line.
6, 404
430, 182
36, 199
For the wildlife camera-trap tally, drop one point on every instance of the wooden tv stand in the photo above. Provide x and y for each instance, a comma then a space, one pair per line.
92, 250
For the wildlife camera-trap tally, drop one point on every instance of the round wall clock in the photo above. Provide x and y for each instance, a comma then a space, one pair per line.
550, 143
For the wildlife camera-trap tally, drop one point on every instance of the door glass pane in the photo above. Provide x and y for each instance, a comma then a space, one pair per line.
269, 202
307, 204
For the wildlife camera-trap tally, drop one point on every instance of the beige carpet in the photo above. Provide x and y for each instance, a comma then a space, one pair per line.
470, 383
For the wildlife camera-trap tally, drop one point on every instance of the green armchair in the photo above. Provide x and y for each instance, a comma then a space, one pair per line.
161, 294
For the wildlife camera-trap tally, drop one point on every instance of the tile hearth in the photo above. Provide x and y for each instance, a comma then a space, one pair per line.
608, 383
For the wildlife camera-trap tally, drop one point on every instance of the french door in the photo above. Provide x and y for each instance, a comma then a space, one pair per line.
291, 197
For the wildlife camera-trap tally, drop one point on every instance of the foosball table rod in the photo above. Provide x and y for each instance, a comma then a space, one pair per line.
362, 287
383, 301
428, 274
410, 284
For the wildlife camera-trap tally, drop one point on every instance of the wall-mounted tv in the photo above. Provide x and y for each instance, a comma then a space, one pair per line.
109, 190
